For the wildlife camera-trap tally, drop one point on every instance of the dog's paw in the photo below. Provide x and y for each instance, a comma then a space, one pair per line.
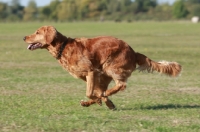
84, 104
110, 105
99, 102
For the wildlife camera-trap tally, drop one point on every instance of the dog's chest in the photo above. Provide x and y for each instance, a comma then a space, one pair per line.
76, 64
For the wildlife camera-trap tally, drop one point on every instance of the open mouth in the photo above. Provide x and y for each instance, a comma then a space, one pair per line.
34, 46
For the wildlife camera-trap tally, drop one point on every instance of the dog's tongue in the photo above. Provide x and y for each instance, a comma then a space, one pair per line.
34, 46
29, 46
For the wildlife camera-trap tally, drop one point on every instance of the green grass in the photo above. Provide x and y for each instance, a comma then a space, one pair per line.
36, 94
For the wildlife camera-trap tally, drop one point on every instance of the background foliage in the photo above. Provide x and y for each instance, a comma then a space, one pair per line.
99, 10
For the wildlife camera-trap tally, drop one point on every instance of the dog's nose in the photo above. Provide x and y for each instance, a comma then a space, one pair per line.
24, 38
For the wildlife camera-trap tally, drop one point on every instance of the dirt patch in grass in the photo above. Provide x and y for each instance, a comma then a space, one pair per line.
191, 90
11, 92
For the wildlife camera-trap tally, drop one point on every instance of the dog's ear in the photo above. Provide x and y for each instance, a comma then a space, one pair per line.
50, 34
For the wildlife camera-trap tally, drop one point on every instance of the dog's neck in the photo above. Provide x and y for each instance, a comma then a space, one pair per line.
60, 49
57, 46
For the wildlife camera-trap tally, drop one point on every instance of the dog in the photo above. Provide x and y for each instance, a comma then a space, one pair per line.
97, 61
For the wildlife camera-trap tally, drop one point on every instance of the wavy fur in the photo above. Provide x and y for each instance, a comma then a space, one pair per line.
172, 69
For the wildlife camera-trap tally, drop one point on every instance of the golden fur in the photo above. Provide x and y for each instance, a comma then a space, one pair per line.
97, 61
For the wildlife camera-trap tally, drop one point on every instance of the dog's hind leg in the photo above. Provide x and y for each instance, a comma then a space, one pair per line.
120, 86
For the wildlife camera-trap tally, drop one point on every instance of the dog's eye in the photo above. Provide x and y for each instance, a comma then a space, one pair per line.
37, 32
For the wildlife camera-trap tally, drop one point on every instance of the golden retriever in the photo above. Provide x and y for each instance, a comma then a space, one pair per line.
97, 61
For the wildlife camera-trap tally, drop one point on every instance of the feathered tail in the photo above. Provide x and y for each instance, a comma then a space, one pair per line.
172, 69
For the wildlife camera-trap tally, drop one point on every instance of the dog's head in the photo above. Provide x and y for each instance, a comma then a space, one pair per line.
42, 37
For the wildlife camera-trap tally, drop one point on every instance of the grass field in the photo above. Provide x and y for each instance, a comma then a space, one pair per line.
37, 95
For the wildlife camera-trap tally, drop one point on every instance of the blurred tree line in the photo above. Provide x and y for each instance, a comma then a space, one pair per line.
117, 10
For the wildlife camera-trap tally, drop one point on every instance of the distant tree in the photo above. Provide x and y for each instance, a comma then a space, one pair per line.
2, 7
15, 11
193, 1
102, 5
3, 13
179, 9
144, 5
44, 13
95, 8
83, 9
91, 8
126, 6
113, 6
67, 10
161, 12
194, 9
54, 7
30, 12
15, 3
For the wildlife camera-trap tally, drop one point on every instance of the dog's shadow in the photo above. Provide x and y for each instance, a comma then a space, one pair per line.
163, 107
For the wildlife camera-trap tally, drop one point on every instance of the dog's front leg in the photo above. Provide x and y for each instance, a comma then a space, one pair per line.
90, 84
90, 79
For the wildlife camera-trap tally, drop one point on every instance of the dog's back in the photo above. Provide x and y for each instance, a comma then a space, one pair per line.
113, 56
